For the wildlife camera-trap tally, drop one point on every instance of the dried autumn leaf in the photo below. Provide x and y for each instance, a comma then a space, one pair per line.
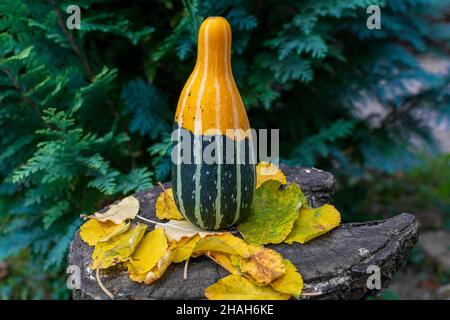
227, 261
183, 249
94, 231
235, 287
273, 213
166, 208
155, 273
119, 249
268, 171
254, 249
291, 282
225, 243
147, 254
176, 230
312, 223
125, 209
264, 266
161, 267
135, 275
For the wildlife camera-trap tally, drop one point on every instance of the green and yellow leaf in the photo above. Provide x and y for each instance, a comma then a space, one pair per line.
117, 250
227, 261
312, 223
273, 213
268, 171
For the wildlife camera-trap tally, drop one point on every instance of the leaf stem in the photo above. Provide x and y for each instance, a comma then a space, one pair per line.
185, 272
148, 220
162, 223
161, 186
100, 283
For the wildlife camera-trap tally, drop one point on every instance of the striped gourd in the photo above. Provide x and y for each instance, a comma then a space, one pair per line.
219, 194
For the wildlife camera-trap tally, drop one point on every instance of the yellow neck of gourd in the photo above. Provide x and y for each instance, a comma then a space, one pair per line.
210, 99
214, 47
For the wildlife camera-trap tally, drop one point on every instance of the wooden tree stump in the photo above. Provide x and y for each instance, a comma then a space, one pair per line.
334, 266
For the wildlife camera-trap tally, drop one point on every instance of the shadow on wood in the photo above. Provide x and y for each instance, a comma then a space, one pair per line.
334, 266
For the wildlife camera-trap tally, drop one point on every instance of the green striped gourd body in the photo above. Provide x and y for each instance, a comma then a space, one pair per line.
219, 194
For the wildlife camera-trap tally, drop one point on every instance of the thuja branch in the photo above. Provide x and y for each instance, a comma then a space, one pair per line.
72, 42
17, 86
85, 63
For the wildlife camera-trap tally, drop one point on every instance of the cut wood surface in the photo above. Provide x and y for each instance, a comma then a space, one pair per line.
334, 266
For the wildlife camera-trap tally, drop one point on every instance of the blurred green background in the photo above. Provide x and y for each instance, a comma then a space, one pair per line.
85, 115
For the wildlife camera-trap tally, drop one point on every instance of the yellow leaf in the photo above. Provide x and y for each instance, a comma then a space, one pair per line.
94, 231
161, 267
176, 230
290, 283
125, 209
268, 171
119, 249
264, 266
152, 248
174, 244
235, 287
183, 249
155, 273
227, 261
273, 213
166, 208
225, 243
254, 249
313, 223
136, 276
